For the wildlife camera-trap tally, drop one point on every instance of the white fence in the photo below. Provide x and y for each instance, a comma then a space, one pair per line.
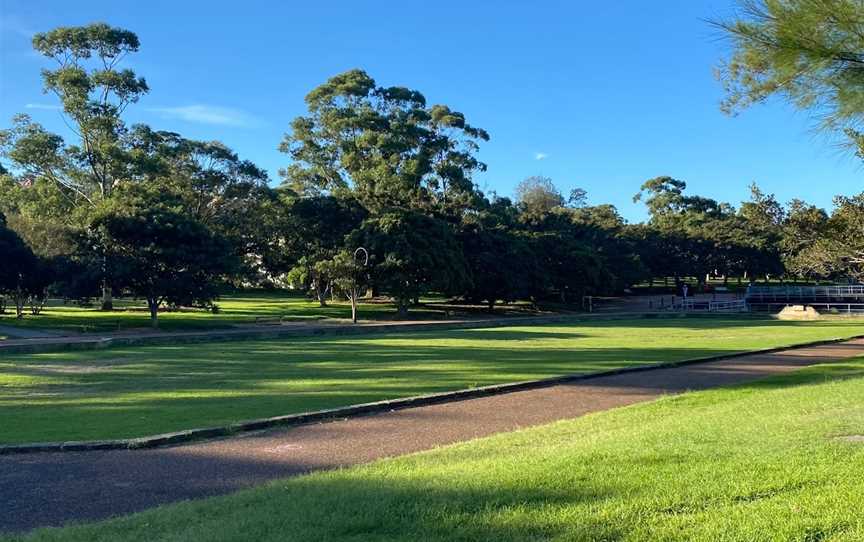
759, 294
699, 305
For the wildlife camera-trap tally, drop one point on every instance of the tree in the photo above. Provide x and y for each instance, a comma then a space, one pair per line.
217, 188
383, 145
808, 52
604, 229
347, 271
163, 255
663, 196
94, 92
805, 226
501, 266
659, 251
571, 269
839, 252
578, 198
696, 236
312, 230
537, 196
411, 254
40, 213
20, 273
763, 211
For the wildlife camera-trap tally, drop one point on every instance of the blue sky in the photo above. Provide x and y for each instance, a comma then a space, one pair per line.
598, 95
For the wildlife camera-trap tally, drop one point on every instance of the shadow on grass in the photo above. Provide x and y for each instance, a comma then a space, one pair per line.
820, 374
134, 391
384, 506
315, 508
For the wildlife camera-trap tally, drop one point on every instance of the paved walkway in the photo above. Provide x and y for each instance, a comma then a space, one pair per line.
53, 489
26, 333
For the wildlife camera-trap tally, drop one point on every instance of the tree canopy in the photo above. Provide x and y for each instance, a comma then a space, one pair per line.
807, 52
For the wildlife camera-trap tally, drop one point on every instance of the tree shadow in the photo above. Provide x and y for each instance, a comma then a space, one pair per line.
323, 507
134, 391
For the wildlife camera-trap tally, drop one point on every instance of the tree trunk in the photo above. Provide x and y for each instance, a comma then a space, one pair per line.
153, 305
321, 294
107, 297
20, 299
402, 307
491, 304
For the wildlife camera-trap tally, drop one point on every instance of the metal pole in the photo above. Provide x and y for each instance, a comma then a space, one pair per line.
354, 292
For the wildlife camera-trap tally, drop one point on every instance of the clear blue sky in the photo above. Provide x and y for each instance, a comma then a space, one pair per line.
599, 95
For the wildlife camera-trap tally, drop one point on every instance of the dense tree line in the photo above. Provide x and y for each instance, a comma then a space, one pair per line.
132, 210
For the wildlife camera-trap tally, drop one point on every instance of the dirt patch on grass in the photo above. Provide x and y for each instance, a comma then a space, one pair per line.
86, 367
852, 438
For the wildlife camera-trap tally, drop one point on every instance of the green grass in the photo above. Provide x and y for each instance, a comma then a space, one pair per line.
233, 309
136, 391
758, 462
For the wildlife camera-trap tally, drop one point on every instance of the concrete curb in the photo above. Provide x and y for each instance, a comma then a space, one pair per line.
95, 343
320, 416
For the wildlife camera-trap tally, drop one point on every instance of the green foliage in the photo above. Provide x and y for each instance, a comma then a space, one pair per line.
161, 254
384, 145
501, 265
839, 251
411, 254
807, 52
692, 235
214, 185
538, 196
94, 92
311, 231
379, 167
23, 276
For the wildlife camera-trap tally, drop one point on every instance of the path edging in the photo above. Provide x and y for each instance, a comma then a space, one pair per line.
319, 416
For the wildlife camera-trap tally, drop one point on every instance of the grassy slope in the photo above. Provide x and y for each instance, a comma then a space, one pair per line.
127, 392
756, 462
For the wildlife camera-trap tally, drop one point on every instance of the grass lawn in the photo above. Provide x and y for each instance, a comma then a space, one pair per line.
757, 462
136, 391
235, 309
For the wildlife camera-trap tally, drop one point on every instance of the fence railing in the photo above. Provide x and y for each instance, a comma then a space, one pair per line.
736, 305
700, 305
756, 294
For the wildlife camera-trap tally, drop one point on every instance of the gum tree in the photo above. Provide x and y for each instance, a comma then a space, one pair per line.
93, 91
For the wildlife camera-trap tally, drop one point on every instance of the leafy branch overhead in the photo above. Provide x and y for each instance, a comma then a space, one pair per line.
809, 53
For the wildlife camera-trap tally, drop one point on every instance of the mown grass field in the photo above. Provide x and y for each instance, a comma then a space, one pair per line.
137, 391
243, 308
759, 462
